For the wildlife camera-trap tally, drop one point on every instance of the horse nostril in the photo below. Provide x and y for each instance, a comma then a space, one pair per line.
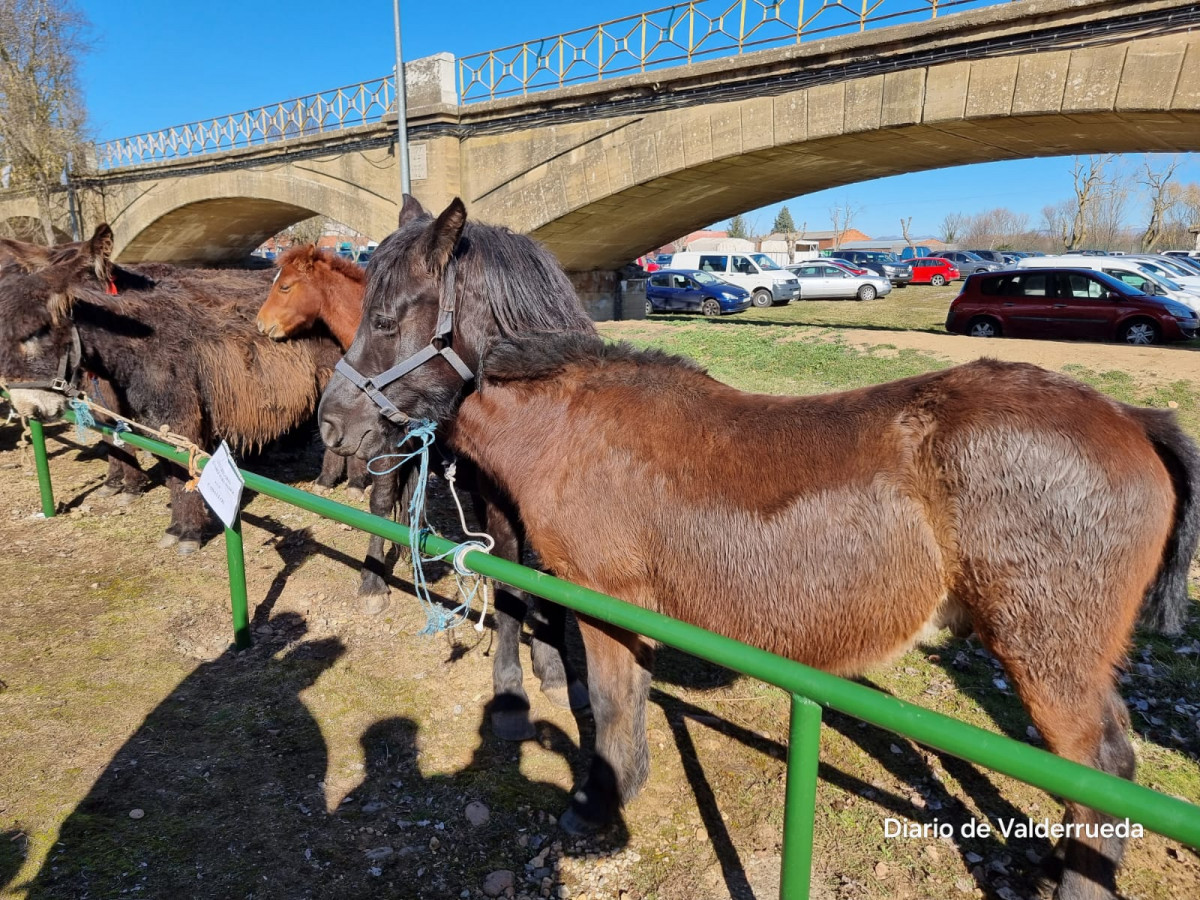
331, 433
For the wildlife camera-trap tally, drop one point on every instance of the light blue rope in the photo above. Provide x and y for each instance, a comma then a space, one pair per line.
437, 619
83, 418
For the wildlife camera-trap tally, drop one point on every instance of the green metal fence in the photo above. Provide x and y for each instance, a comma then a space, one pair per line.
810, 689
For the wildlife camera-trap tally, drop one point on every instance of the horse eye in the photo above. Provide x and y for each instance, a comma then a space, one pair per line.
284, 288
384, 323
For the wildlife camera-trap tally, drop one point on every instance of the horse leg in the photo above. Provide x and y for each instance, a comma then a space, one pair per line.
619, 667
1074, 704
560, 683
356, 478
372, 589
332, 469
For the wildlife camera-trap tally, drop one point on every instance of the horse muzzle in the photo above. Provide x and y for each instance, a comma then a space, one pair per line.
34, 403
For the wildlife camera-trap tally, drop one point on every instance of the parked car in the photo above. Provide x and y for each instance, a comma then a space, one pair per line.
968, 263
1167, 268
846, 266
1067, 303
821, 279
684, 289
992, 256
1130, 271
880, 262
933, 270
766, 281
910, 253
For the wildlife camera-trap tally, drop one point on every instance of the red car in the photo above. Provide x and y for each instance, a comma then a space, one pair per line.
1067, 304
933, 270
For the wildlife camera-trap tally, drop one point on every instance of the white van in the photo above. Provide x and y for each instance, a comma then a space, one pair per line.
1126, 270
767, 283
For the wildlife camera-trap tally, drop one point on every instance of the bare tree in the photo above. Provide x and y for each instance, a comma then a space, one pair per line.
41, 114
952, 228
993, 228
905, 225
308, 231
1182, 214
1087, 177
841, 216
1158, 184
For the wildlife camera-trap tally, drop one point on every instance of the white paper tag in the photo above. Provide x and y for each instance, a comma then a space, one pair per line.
221, 485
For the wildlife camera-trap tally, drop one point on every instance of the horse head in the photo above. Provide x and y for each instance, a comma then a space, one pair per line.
411, 278
311, 286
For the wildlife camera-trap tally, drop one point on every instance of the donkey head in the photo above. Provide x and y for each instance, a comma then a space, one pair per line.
405, 287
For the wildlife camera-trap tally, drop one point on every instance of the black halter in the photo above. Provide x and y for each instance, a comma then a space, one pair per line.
68, 369
439, 345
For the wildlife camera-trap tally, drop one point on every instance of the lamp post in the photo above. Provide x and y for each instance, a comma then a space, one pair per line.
401, 108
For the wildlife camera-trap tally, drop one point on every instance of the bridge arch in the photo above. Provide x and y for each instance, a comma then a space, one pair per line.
222, 216
613, 189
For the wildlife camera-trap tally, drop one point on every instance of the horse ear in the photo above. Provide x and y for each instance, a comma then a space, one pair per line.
24, 256
443, 238
101, 244
410, 210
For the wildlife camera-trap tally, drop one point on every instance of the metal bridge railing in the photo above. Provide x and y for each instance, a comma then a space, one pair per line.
680, 35
671, 36
332, 110
810, 689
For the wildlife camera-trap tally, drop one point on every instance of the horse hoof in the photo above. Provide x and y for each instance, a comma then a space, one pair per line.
573, 823
187, 548
572, 696
128, 498
355, 494
168, 540
108, 490
321, 489
513, 726
373, 604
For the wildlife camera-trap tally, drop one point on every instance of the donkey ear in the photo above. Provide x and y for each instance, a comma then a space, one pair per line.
24, 256
101, 244
444, 235
59, 306
410, 210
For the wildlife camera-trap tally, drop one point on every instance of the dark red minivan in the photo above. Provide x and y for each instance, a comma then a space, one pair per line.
1067, 304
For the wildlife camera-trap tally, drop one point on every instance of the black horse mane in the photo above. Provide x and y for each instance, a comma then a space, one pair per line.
519, 279
544, 355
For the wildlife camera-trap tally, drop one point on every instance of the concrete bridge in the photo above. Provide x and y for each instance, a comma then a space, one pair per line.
602, 172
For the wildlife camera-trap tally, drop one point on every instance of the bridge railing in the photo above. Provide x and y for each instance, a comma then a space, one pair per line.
332, 110
670, 36
680, 35
810, 689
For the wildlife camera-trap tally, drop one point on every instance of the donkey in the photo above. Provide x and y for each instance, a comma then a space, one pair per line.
504, 283
312, 289
1015, 501
179, 349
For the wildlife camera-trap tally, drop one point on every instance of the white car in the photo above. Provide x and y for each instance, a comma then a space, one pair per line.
820, 280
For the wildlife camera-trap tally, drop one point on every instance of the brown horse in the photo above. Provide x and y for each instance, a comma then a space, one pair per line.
834, 530
314, 289
505, 283
178, 348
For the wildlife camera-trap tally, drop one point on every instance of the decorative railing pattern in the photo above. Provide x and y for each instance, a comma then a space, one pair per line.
676, 35
680, 35
344, 107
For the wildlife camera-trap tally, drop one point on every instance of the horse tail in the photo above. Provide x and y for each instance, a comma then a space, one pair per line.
1165, 609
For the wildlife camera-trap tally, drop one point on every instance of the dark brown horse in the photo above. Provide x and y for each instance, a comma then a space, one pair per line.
178, 348
504, 284
835, 530
315, 289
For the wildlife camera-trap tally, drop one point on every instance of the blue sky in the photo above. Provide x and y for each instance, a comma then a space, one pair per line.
155, 64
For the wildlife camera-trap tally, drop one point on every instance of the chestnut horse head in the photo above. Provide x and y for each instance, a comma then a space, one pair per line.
439, 293
313, 286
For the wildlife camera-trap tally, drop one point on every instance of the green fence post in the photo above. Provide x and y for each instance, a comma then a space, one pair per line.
800, 803
38, 439
237, 584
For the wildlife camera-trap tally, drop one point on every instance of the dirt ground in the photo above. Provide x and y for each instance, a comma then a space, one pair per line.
348, 756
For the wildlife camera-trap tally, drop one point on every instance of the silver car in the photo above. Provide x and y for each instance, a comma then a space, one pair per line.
821, 280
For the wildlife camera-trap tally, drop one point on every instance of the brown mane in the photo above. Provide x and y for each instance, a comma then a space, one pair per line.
305, 256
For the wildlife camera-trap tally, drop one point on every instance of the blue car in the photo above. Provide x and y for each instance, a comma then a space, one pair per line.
684, 289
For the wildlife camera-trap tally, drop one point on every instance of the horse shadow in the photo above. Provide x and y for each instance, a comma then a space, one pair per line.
215, 783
